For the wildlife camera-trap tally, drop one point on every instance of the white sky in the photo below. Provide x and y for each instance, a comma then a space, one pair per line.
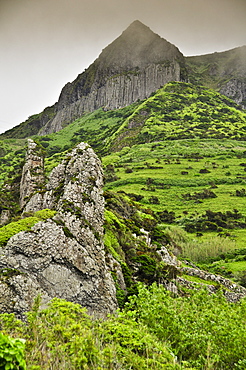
46, 43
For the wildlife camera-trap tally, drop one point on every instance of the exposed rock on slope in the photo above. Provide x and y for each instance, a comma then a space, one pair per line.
235, 89
64, 256
33, 172
226, 72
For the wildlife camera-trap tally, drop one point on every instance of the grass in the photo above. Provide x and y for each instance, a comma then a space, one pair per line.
95, 128
168, 182
155, 170
236, 266
181, 111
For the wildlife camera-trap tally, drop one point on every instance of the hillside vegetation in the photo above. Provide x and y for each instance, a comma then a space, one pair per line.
154, 331
175, 166
181, 151
214, 70
182, 111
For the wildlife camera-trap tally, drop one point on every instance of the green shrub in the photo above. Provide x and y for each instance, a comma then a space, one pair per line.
63, 336
155, 330
205, 330
11, 353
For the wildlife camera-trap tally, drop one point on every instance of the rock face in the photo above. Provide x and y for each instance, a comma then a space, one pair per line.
225, 72
236, 90
233, 292
64, 256
136, 64
33, 172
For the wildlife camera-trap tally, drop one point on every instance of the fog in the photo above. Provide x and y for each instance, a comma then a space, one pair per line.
47, 43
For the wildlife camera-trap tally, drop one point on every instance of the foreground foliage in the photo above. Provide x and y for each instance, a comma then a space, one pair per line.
154, 331
203, 329
63, 336
11, 353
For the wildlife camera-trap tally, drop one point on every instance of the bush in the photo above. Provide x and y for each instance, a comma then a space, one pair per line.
203, 329
11, 353
154, 200
63, 336
205, 194
241, 278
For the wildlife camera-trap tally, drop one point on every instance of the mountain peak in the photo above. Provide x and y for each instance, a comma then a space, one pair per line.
132, 67
138, 46
137, 26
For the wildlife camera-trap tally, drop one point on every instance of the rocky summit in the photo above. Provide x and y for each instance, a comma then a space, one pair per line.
132, 67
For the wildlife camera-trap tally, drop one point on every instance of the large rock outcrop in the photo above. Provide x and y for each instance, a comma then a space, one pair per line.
63, 256
136, 64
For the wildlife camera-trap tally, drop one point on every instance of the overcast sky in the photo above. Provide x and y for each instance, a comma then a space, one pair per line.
46, 43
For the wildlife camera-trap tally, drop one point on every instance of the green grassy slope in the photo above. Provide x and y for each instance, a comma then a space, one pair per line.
187, 177
180, 111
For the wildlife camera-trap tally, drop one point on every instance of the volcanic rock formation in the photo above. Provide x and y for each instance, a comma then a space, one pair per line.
62, 256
